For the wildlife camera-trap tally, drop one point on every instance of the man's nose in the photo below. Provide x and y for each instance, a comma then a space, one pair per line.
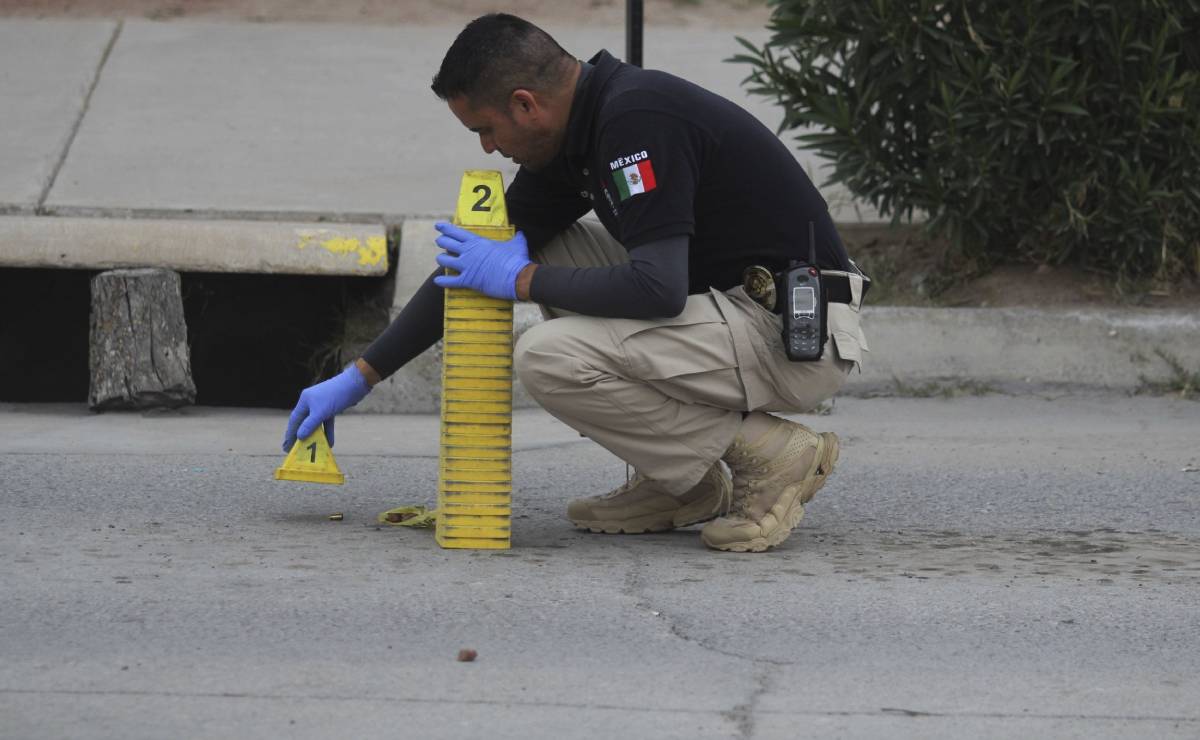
488, 144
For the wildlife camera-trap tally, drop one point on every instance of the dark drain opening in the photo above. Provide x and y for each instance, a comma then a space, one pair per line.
44, 334
256, 340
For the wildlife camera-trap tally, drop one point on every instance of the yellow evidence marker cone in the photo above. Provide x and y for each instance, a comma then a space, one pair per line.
474, 508
311, 461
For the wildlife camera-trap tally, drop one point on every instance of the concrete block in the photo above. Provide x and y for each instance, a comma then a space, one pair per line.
195, 246
417, 387
416, 260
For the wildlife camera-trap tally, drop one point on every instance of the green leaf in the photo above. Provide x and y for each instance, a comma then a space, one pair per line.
1068, 108
752, 48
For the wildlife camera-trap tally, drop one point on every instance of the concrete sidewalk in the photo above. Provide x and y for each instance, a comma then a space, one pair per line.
171, 143
281, 121
984, 568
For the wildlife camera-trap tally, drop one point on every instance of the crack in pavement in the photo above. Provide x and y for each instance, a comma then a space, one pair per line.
882, 712
743, 714
83, 111
634, 588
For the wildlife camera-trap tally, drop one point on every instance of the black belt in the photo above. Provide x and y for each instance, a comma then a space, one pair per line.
835, 288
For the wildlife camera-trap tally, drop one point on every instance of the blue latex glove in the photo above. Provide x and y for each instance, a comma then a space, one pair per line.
483, 265
321, 402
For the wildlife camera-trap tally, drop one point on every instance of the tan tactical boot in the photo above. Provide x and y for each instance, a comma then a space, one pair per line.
777, 466
641, 505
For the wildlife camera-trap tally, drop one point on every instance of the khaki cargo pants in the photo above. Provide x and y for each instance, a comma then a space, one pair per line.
667, 395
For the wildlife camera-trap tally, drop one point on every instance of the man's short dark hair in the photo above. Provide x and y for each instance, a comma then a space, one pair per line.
496, 54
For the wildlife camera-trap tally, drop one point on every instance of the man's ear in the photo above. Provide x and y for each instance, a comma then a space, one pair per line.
524, 103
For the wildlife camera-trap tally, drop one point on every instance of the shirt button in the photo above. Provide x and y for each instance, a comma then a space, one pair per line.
585, 172
584, 194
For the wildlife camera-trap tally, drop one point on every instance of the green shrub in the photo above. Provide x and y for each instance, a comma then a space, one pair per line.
1051, 130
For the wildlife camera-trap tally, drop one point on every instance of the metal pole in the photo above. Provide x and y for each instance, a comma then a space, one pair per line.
633, 32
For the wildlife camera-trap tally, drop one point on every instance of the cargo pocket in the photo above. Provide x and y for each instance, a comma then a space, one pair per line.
690, 357
693, 341
846, 333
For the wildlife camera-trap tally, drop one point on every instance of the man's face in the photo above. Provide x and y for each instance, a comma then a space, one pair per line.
521, 133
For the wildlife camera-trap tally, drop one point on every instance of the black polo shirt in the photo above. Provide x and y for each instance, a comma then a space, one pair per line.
656, 156
668, 166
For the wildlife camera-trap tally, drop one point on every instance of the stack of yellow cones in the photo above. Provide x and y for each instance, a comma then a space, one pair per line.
474, 508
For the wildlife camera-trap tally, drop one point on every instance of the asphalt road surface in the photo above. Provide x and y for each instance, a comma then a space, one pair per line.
976, 567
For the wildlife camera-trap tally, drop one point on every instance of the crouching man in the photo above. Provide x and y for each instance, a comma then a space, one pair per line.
653, 348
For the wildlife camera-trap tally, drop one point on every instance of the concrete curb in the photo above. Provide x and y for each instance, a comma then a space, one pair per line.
913, 350
1024, 348
198, 246
945, 351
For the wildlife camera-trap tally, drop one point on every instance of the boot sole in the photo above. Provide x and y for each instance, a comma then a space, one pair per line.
636, 527
828, 451
652, 523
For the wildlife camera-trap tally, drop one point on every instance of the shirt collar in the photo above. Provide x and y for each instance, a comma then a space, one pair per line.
587, 98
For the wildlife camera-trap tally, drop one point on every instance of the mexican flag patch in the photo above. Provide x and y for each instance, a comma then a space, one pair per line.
634, 179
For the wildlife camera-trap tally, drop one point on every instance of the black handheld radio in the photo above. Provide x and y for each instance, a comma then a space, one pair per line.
803, 309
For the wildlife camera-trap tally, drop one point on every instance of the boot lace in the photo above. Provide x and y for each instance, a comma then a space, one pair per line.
629, 484
748, 470
725, 501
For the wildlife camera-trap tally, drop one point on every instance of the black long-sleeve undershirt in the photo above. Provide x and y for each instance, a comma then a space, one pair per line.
414, 330
653, 284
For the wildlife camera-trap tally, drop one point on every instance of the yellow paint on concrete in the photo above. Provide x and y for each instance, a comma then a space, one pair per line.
374, 251
370, 253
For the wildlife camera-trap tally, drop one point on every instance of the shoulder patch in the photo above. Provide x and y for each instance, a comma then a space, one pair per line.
633, 174
623, 162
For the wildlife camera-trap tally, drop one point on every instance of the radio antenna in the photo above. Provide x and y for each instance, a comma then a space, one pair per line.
812, 244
